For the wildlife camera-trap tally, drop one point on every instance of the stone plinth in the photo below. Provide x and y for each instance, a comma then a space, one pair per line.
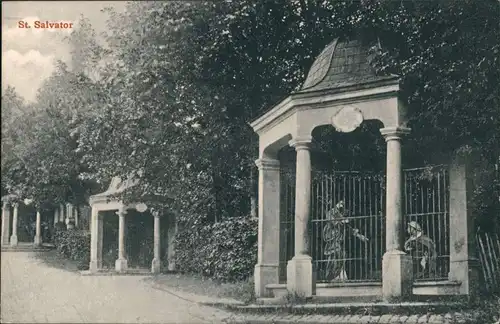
299, 281
397, 273
121, 265
265, 274
156, 266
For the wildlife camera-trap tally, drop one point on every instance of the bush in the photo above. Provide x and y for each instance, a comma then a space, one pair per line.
73, 245
225, 251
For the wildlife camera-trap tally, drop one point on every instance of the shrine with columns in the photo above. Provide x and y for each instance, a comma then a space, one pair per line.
108, 201
72, 217
342, 90
67, 214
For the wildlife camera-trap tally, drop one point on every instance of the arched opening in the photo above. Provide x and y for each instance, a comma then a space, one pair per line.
110, 238
347, 169
26, 223
347, 221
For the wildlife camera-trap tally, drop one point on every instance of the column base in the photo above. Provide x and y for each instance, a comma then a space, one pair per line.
156, 266
171, 266
265, 274
466, 272
121, 265
300, 278
38, 240
13, 240
397, 276
95, 266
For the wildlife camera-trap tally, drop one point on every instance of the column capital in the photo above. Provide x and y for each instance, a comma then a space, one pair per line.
15, 205
301, 142
155, 213
121, 212
267, 164
5, 205
394, 133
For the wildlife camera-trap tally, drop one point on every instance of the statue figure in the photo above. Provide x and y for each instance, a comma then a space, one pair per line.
423, 250
334, 235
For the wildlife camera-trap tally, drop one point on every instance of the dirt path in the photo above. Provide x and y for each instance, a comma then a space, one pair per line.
33, 292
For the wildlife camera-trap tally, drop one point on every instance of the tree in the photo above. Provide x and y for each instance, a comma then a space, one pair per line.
45, 163
13, 108
186, 77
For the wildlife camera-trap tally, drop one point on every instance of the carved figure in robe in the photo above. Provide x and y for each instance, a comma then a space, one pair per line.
336, 229
423, 250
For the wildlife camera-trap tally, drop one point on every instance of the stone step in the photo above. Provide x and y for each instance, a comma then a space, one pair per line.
26, 248
448, 318
379, 308
112, 272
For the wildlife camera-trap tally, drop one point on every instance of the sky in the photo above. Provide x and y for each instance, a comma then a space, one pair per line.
28, 55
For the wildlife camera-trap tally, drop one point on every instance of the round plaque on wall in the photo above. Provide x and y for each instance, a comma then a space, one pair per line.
141, 207
347, 119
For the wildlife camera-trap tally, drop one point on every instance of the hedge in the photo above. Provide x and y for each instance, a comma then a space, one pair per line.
224, 251
75, 245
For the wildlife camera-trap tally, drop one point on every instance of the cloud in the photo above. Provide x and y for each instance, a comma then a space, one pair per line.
27, 71
28, 56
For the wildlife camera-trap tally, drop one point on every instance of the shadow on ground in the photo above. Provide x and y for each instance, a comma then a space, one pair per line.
54, 260
193, 284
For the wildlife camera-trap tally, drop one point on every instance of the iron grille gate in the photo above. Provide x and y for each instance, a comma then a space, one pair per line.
347, 224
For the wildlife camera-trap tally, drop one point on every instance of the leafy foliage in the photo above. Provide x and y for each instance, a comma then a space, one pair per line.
167, 99
224, 251
74, 245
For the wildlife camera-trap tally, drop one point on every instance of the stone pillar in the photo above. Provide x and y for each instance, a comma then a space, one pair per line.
267, 267
5, 223
13, 238
61, 213
397, 267
75, 215
96, 241
70, 224
156, 263
464, 265
121, 262
300, 276
100, 237
56, 216
38, 231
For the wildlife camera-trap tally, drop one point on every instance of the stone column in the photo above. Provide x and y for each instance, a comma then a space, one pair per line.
96, 241
13, 238
300, 280
69, 216
38, 232
61, 213
397, 266
464, 265
75, 215
5, 223
56, 216
267, 267
156, 263
121, 262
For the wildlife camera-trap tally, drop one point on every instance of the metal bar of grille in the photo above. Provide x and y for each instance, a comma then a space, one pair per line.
357, 253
